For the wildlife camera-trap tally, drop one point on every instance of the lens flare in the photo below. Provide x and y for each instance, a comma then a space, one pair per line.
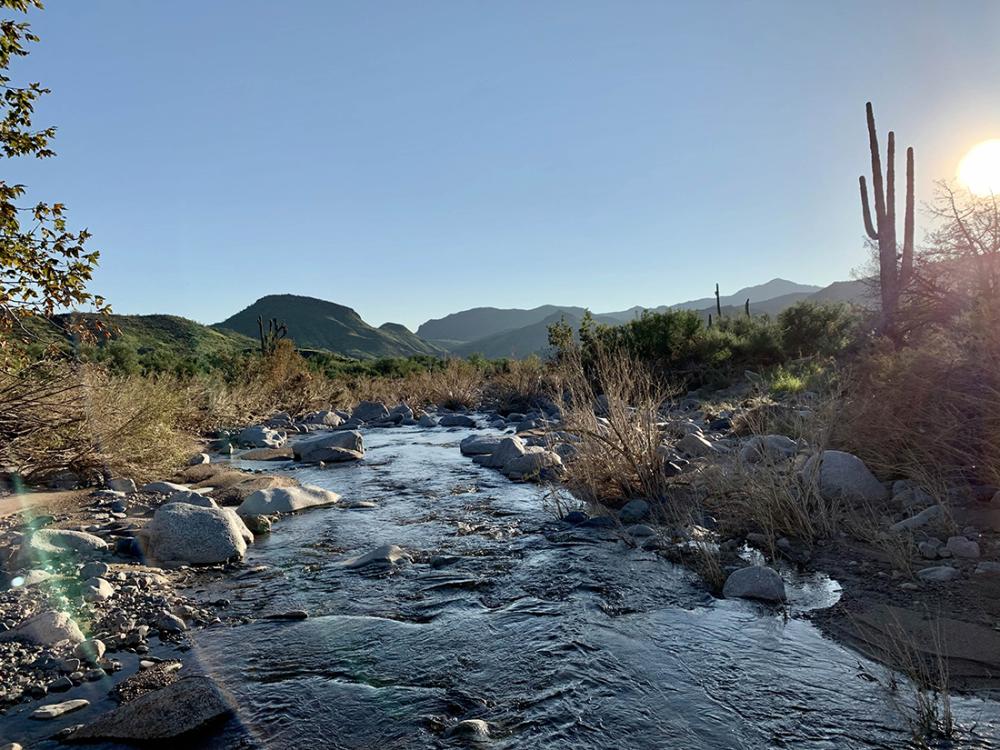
979, 170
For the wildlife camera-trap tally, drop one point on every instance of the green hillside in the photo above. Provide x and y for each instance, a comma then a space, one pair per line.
318, 324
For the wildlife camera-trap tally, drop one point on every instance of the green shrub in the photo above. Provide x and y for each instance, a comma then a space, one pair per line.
809, 328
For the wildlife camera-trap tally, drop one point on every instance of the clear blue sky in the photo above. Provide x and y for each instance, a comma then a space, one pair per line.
411, 159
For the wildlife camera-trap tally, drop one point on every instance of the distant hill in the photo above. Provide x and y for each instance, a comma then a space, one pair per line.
482, 322
519, 343
318, 324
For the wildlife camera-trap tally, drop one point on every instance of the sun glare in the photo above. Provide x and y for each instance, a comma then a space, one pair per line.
979, 170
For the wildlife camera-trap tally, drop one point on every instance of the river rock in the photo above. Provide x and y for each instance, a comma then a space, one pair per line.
97, 590
46, 629
192, 498
370, 411
471, 730
959, 546
768, 448
755, 582
634, 511
48, 544
121, 485
286, 500
164, 488
324, 418
427, 421
988, 567
181, 707
180, 532
55, 710
456, 420
95, 569
388, 555
91, 650
939, 574
508, 449
536, 463
260, 436
478, 445
695, 445
345, 445
198, 459
922, 518
843, 476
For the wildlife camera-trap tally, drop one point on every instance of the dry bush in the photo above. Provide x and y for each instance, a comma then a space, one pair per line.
520, 385
620, 454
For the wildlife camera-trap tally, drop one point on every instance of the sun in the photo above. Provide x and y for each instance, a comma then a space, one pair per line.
979, 169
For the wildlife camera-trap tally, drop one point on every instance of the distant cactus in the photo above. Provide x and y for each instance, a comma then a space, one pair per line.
710, 320
718, 302
894, 271
276, 330
746, 307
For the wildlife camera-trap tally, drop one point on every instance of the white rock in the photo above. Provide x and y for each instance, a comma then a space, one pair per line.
333, 446
508, 449
180, 532
260, 436
286, 500
164, 488
695, 445
121, 485
97, 590
192, 498
471, 730
47, 544
199, 458
54, 710
755, 582
45, 629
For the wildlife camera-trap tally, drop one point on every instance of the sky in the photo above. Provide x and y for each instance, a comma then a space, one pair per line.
412, 159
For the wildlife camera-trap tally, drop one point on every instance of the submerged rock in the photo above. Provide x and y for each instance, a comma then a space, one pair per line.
387, 555
286, 500
185, 533
755, 582
471, 730
177, 709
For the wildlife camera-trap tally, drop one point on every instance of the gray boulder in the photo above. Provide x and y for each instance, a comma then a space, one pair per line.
164, 488
49, 544
324, 418
121, 485
755, 582
768, 448
370, 411
286, 500
634, 511
46, 629
959, 546
177, 709
97, 590
536, 463
843, 476
427, 421
508, 449
345, 445
695, 445
261, 436
456, 420
924, 517
192, 498
180, 532
939, 574
478, 445
471, 730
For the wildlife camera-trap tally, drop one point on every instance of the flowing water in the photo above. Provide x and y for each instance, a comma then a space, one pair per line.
558, 638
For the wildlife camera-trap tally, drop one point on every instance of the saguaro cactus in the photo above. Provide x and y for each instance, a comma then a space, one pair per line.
276, 330
746, 307
894, 270
718, 301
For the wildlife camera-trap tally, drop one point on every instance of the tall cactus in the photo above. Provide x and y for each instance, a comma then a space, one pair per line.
746, 307
894, 271
718, 302
276, 330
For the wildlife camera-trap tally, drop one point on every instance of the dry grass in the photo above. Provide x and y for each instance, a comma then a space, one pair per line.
620, 454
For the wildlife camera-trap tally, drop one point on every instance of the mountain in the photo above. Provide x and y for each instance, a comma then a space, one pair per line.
519, 343
483, 322
318, 324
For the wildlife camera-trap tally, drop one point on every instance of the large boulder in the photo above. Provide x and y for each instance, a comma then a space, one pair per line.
843, 476
478, 445
370, 411
768, 449
755, 582
46, 629
334, 446
51, 544
177, 709
192, 498
426, 420
634, 511
261, 436
508, 449
185, 533
286, 500
121, 485
695, 445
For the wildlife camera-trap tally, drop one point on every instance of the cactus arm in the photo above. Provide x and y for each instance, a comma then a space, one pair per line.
866, 210
907, 263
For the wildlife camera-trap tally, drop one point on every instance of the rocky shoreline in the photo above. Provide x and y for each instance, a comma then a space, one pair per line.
112, 563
